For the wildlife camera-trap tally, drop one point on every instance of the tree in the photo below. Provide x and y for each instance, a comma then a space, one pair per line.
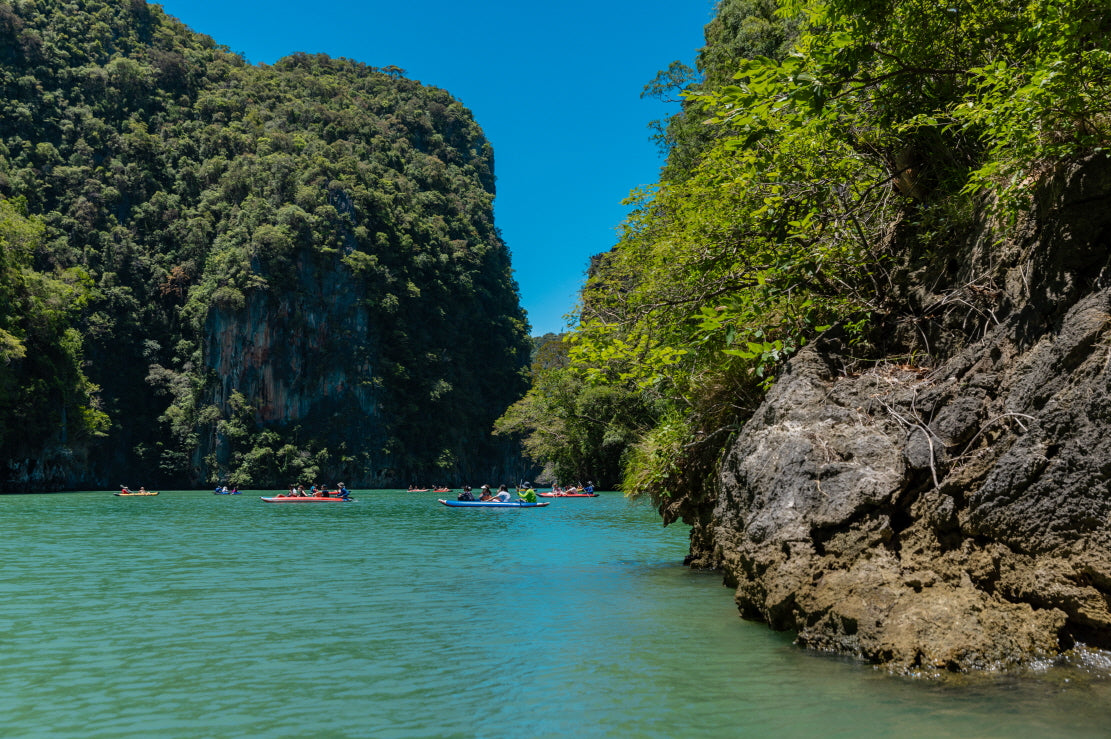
820, 129
44, 394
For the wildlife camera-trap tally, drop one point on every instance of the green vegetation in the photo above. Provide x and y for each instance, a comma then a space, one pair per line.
270, 272
817, 141
40, 348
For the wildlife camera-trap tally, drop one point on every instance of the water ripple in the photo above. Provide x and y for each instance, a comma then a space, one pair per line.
193, 615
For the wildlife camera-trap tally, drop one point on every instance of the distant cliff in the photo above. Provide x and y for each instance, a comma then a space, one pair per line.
291, 272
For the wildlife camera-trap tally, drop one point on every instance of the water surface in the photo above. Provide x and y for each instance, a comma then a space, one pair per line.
194, 615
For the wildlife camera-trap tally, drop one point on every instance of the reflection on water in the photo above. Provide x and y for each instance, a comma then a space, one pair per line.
189, 615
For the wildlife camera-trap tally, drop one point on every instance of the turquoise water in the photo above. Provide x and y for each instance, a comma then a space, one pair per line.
194, 615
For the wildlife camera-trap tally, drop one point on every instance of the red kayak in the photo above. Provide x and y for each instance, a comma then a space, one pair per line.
306, 499
568, 495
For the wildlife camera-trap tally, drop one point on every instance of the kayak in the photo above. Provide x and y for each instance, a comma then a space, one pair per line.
307, 499
568, 495
491, 504
134, 495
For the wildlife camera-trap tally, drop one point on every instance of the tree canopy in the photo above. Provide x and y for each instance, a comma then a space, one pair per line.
819, 140
275, 271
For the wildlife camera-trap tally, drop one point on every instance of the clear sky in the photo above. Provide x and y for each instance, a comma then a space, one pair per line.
555, 86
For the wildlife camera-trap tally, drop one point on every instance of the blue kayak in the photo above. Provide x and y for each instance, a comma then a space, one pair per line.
491, 504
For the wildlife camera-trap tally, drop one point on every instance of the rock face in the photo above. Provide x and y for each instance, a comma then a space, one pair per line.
303, 356
281, 273
948, 516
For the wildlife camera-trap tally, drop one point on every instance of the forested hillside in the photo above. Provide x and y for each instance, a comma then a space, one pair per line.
219, 271
856, 335
828, 156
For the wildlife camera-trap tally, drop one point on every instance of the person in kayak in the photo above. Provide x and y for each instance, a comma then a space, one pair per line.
528, 495
503, 495
486, 494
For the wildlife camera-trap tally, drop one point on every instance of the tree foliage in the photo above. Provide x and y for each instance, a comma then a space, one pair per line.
820, 126
45, 396
344, 207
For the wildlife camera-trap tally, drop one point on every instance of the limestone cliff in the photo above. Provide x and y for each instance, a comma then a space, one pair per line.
299, 357
944, 516
287, 272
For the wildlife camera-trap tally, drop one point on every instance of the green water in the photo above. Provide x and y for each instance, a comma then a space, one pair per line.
194, 615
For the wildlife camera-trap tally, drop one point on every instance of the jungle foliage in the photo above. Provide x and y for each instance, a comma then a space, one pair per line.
168, 197
41, 349
808, 132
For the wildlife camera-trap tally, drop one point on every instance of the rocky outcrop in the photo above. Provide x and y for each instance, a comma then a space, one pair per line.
948, 515
57, 467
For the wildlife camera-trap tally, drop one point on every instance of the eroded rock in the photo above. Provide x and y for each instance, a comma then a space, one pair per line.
952, 516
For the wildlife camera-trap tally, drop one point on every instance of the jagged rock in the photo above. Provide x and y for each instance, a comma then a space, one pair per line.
954, 516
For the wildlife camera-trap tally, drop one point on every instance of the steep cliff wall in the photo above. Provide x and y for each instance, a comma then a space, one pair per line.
288, 272
949, 516
305, 356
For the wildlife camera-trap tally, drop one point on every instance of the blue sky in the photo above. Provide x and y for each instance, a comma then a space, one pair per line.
555, 86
